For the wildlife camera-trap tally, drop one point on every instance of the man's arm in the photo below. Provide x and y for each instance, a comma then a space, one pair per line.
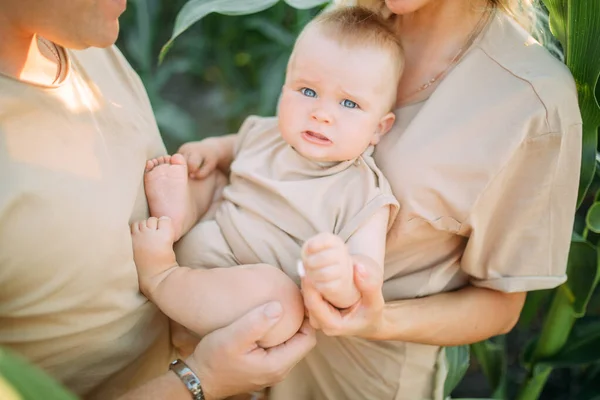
167, 386
228, 361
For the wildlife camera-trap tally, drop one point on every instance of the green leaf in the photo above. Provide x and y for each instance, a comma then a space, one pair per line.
457, 359
195, 10
174, 120
491, 355
30, 382
272, 78
592, 218
576, 24
583, 272
535, 301
273, 31
582, 347
305, 4
590, 389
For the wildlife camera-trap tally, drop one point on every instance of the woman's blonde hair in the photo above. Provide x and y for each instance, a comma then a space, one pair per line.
521, 10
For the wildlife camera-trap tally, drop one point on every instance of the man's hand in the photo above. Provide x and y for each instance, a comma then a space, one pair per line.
202, 157
228, 361
328, 266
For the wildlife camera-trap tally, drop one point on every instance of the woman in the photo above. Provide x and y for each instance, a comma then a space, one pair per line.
484, 160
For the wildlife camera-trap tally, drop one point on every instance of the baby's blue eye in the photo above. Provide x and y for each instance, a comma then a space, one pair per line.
349, 103
308, 92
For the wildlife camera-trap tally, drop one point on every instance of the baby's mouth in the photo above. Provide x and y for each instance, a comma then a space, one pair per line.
316, 137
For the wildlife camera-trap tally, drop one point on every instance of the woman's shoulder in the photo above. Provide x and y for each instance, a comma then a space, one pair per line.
518, 56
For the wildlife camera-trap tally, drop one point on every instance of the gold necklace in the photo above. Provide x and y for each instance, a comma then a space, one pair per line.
55, 52
461, 52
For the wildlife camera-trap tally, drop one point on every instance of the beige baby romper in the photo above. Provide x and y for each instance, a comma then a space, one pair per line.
277, 199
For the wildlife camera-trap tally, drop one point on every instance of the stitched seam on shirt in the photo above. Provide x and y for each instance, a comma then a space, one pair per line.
500, 170
522, 79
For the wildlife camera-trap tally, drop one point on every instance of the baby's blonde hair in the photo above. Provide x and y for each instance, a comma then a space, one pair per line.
360, 26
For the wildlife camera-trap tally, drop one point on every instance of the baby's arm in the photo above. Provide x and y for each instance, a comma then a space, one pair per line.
207, 299
329, 263
205, 155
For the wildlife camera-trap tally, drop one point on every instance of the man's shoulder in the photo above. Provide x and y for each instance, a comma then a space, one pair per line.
109, 63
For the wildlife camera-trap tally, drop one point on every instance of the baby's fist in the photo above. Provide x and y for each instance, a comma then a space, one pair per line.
327, 263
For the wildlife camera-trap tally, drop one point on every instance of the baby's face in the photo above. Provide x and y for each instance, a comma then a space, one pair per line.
335, 101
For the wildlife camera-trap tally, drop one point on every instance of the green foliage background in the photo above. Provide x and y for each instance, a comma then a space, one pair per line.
223, 69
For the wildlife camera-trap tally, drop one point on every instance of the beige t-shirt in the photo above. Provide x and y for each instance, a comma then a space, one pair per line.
277, 200
71, 170
486, 171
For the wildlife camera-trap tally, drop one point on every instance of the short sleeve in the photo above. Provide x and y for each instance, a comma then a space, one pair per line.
252, 124
520, 226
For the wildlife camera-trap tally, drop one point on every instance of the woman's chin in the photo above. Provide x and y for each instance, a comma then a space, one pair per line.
402, 7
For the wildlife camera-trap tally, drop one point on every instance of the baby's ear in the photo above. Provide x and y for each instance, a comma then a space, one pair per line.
383, 127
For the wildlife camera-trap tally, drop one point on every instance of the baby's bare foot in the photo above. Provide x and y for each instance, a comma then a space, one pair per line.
168, 192
152, 250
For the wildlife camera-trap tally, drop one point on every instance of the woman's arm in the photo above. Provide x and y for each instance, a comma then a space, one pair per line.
468, 315
465, 316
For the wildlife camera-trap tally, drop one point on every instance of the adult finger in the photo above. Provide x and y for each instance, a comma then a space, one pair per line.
243, 333
320, 311
284, 356
369, 286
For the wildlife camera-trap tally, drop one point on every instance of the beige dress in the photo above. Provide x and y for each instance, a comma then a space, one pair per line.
486, 172
71, 170
277, 199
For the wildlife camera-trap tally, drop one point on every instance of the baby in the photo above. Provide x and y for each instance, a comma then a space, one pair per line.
303, 186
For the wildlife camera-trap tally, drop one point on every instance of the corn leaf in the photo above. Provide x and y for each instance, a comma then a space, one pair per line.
491, 355
583, 272
582, 347
576, 24
457, 359
28, 381
592, 218
195, 10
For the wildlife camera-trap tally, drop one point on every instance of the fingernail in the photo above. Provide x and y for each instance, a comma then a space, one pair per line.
300, 269
164, 217
273, 310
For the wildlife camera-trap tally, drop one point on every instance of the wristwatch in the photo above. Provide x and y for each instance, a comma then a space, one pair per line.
188, 377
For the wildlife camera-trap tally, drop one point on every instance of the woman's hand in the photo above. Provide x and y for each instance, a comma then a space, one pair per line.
228, 361
363, 319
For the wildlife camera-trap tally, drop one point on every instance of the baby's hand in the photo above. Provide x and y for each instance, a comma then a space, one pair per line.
202, 157
328, 265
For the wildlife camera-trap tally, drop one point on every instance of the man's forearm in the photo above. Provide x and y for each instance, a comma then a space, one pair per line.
465, 316
167, 386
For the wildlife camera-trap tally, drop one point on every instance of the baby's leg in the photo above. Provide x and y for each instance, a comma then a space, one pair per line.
205, 300
170, 193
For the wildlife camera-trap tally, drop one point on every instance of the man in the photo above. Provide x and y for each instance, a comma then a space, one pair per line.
76, 128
